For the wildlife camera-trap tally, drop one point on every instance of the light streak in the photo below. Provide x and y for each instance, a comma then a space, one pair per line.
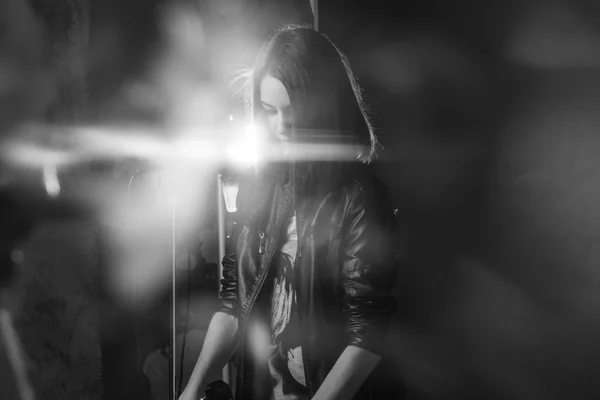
41, 146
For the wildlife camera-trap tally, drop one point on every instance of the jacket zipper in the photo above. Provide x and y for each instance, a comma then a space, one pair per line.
265, 268
262, 277
261, 245
254, 293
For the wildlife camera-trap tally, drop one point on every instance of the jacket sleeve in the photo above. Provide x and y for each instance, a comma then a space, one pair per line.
369, 268
228, 298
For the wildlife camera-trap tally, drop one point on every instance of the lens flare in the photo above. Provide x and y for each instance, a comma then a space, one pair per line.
244, 150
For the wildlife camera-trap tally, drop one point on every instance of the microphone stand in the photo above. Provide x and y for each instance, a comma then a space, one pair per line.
222, 237
173, 300
221, 211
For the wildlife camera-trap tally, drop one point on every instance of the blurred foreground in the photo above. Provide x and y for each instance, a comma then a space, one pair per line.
488, 118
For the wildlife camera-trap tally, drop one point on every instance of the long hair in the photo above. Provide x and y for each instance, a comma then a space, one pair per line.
325, 97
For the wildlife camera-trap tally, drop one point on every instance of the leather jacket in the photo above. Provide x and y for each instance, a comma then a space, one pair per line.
345, 270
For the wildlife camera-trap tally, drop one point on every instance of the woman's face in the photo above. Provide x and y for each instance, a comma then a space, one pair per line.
276, 110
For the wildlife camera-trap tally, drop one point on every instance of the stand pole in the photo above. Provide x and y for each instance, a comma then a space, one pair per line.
12, 353
173, 346
314, 5
221, 233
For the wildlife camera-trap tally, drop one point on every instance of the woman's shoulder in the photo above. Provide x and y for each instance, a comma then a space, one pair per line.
366, 192
360, 178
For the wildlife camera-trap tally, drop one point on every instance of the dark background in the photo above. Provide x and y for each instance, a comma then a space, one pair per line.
487, 112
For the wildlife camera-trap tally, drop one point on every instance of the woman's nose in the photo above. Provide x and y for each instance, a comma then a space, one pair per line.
284, 128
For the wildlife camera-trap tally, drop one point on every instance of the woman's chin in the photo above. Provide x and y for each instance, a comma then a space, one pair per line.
286, 149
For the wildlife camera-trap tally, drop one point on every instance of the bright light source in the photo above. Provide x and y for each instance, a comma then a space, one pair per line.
244, 149
231, 117
51, 182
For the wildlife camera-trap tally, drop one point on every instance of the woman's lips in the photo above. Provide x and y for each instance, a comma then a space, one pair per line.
286, 147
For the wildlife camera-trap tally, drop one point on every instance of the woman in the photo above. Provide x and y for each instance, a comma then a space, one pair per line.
306, 295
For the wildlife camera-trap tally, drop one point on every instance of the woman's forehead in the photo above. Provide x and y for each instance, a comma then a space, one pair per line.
273, 93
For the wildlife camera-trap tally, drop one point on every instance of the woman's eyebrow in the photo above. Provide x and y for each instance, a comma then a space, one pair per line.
265, 104
284, 109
